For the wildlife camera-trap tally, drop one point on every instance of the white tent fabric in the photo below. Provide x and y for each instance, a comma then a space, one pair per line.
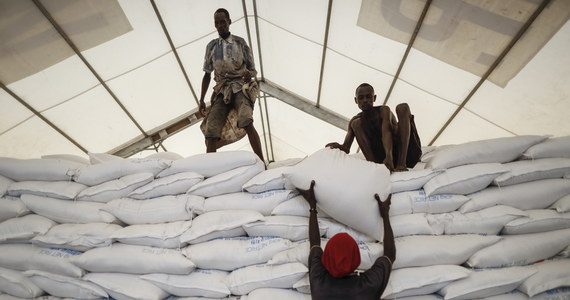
124, 85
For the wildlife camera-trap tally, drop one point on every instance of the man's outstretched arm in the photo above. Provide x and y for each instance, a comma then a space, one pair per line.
314, 233
389, 242
348, 139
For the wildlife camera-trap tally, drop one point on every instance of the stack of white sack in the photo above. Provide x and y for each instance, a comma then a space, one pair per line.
481, 220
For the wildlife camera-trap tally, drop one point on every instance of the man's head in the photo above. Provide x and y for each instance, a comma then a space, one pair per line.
365, 96
222, 22
341, 256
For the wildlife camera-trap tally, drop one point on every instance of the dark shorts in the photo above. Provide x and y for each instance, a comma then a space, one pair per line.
219, 112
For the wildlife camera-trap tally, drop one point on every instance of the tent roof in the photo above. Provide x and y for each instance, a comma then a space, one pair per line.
123, 76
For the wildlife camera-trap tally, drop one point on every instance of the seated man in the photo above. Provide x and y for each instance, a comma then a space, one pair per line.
331, 272
382, 139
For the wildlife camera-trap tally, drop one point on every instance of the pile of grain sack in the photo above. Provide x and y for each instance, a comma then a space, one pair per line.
481, 220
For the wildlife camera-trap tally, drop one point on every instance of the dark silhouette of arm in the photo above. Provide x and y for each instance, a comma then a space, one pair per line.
314, 233
389, 242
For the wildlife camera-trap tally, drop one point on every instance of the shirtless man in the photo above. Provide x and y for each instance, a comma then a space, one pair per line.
381, 138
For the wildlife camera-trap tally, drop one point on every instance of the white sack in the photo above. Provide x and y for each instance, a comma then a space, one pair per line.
64, 286
267, 180
369, 252
417, 202
275, 294
27, 257
66, 211
211, 164
220, 234
530, 195
11, 207
227, 182
538, 220
66, 190
166, 155
78, 237
333, 227
413, 224
465, 179
218, 220
16, 284
96, 174
162, 235
5, 182
289, 227
520, 250
488, 221
411, 180
303, 285
115, 189
170, 185
244, 280
99, 158
68, 157
263, 202
24, 228
36, 169
133, 259
126, 286
152, 211
343, 181
512, 295
552, 147
420, 251
562, 205
531, 170
498, 150
233, 253
200, 283
419, 281
551, 274
486, 283
296, 206
555, 294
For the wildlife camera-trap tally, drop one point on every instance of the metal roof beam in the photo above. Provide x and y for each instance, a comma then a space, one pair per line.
303, 104
159, 135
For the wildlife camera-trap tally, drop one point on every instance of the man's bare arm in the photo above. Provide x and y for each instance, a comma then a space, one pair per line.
389, 242
348, 139
314, 233
205, 84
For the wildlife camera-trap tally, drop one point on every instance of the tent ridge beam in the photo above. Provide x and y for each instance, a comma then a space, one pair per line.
158, 135
495, 64
72, 45
303, 104
407, 52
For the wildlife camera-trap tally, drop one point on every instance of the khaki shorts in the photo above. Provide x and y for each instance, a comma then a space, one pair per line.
219, 112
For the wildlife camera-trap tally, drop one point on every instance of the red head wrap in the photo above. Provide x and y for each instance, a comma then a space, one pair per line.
341, 256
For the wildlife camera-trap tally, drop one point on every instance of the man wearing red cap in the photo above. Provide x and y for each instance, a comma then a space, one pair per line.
331, 271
